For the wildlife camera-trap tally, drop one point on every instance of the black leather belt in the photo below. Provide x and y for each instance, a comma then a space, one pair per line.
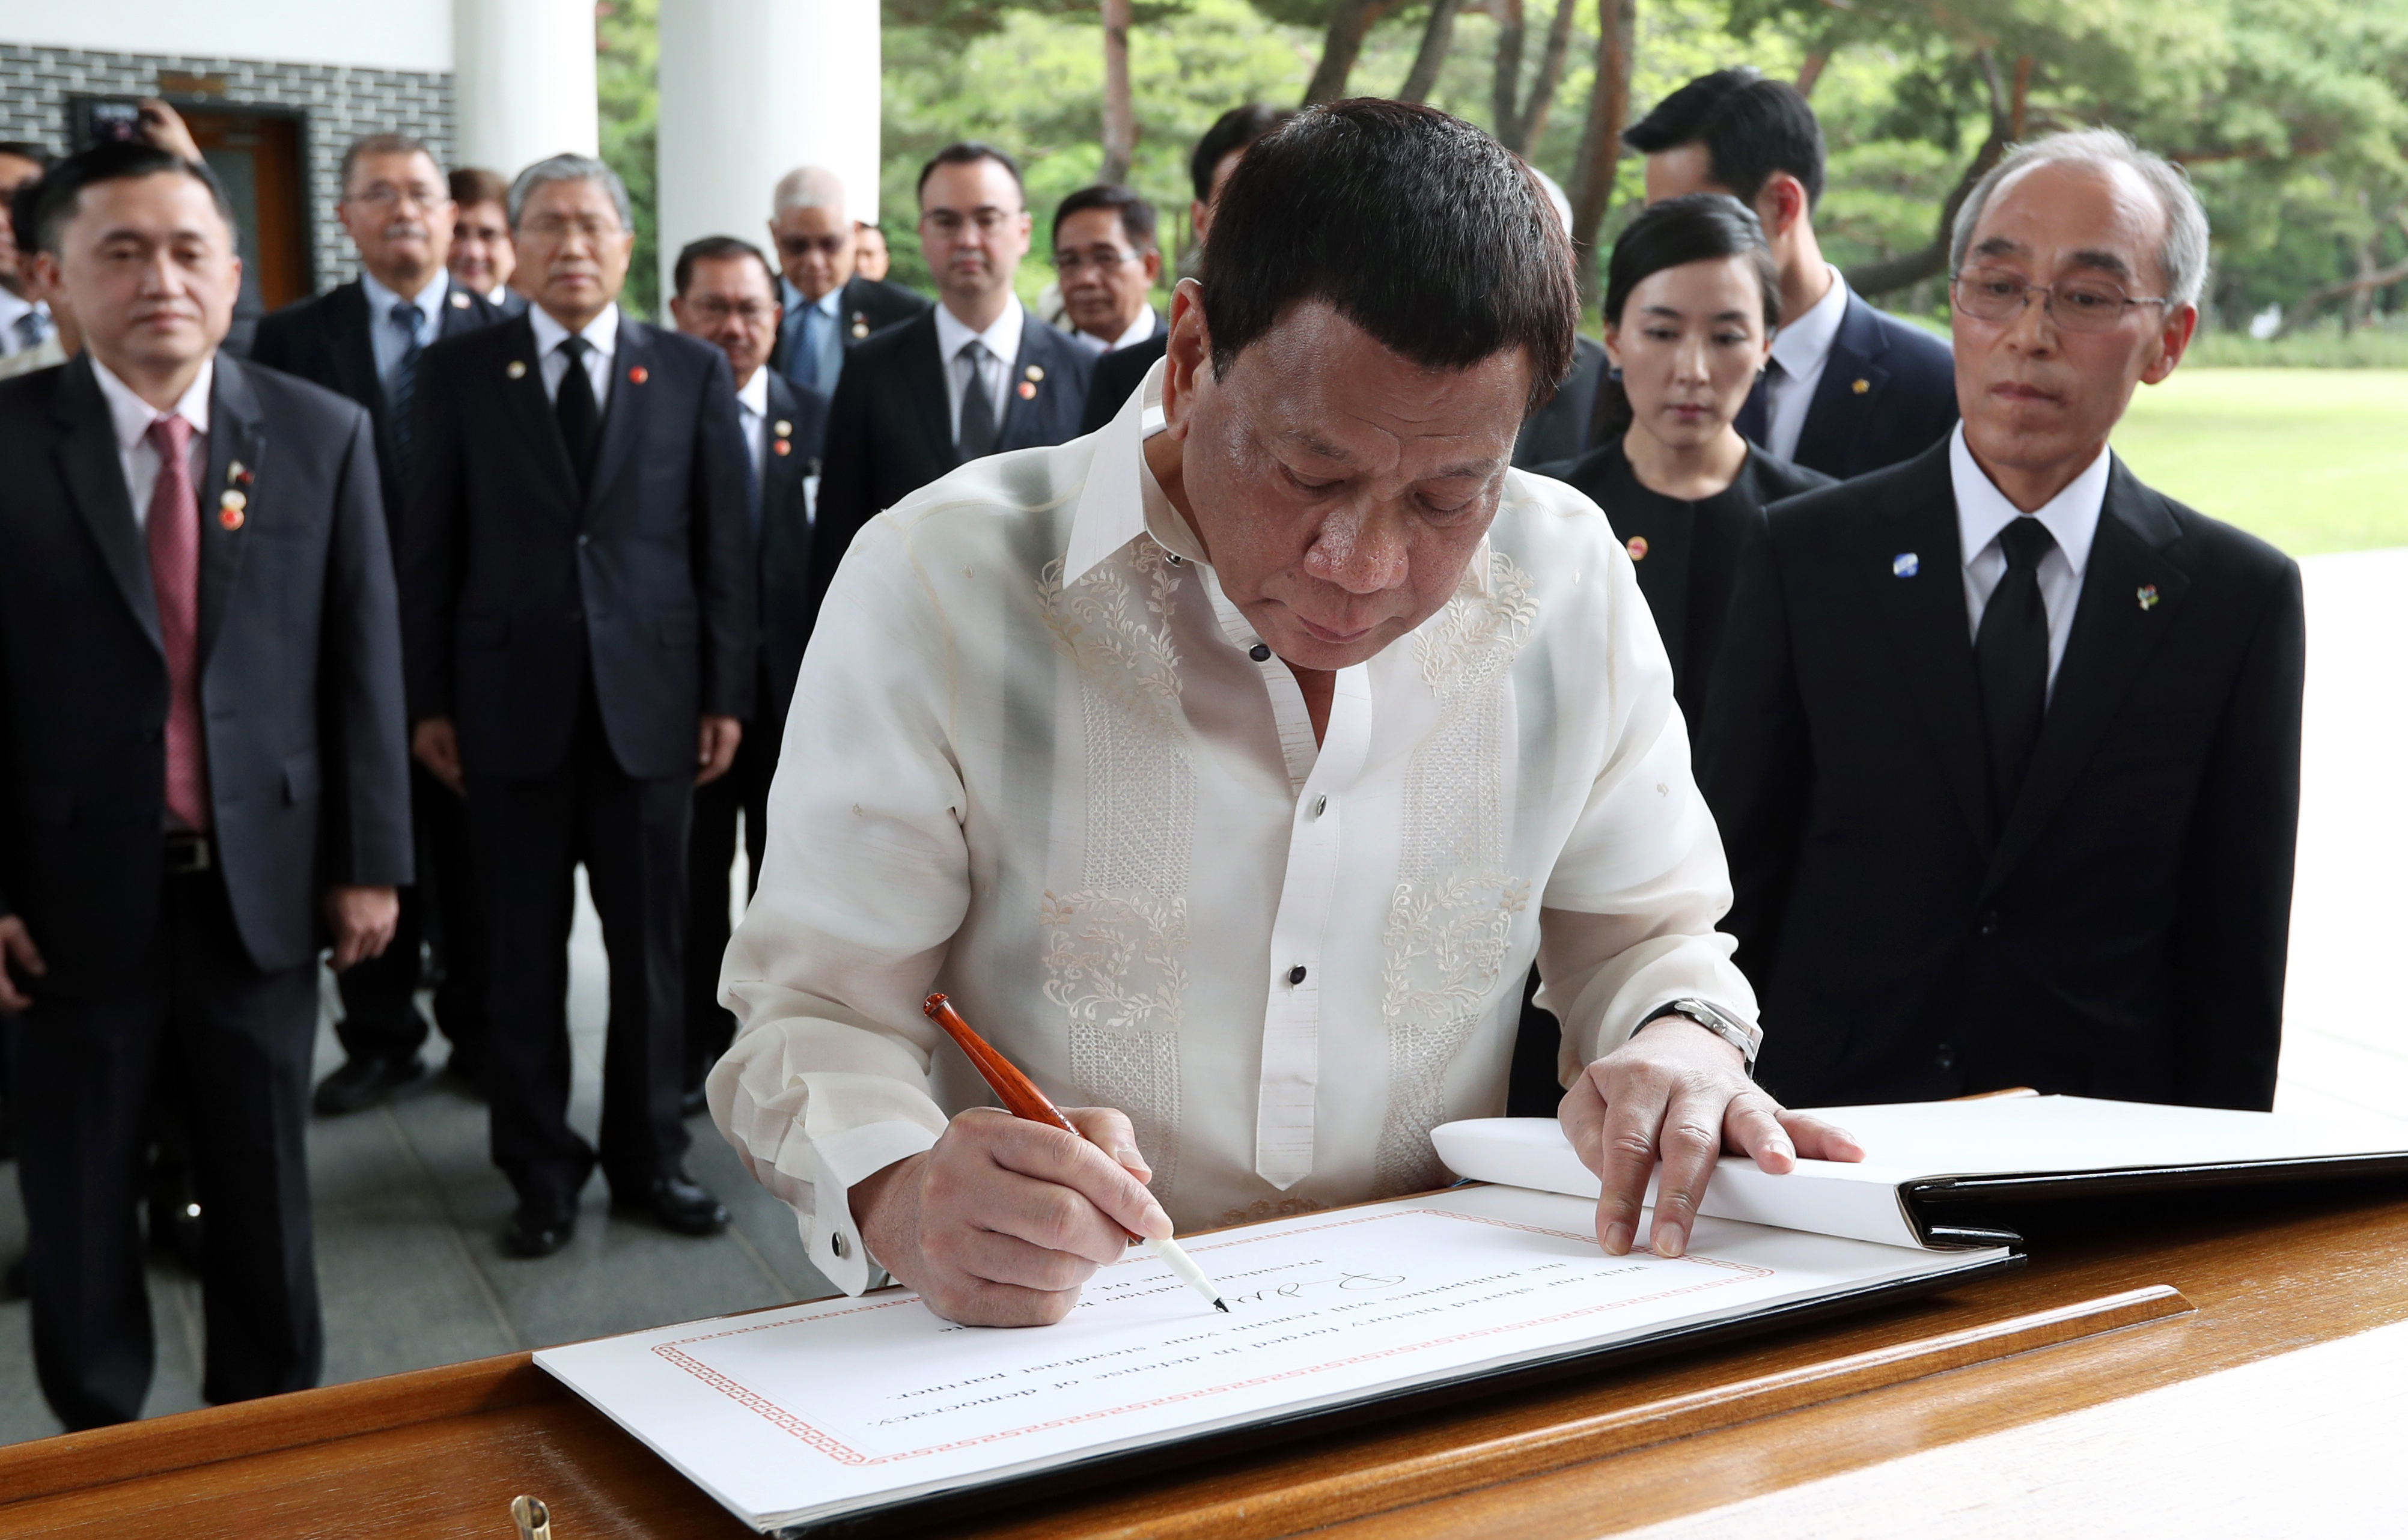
188, 853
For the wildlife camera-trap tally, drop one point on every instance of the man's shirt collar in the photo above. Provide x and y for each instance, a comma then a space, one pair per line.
754, 396
130, 416
1002, 340
1800, 347
2071, 516
601, 333
792, 298
427, 302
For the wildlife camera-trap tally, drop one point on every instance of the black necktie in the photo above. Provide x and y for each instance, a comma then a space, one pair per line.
580, 420
2011, 653
976, 437
1755, 418
402, 388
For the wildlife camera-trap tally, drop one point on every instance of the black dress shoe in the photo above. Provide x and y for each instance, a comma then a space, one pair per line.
694, 1104
539, 1227
362, 1082
676, 1203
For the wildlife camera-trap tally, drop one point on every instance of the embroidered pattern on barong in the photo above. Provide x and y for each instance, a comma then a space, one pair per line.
1452, 914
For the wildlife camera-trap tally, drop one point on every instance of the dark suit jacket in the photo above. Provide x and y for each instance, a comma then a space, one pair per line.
1118, 373
2121, 931
785, 550
512, 588
890, 427
1907, 402
300, 674
324, 340
1559, 430
869, 306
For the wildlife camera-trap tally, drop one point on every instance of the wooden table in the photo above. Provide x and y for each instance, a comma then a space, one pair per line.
442, 1452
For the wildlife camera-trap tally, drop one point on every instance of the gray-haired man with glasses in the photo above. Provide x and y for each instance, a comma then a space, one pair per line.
2003, 743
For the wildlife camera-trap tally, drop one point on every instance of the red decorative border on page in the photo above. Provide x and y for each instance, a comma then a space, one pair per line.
779, 1416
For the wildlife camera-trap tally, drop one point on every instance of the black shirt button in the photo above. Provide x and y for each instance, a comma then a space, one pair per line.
1259, 652
1296, 974
1945, 1058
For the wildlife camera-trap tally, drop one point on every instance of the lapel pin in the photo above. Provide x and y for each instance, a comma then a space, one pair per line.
236, 471
232, 499
1036, 373
2147, 595
459, 299
1027, 391
638, 374
860, 326
782, 446
516, 370
1905, 565
230, 506
1861, 386
1637, 546
783, 428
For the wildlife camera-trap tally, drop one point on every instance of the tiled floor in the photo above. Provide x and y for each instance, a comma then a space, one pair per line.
409, 1206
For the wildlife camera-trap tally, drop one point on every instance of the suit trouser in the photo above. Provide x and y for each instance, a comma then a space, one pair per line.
381, 1016
709, 1026
233, 1044
630, 834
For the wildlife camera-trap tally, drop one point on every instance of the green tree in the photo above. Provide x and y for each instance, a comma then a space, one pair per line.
626, 91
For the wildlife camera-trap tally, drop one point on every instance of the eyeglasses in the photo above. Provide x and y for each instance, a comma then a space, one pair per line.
2077, 304
553, 226
1102, 259
386, 195
949, 222
753, 311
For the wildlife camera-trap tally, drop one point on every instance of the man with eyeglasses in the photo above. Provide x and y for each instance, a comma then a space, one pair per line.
830, 307
726, 295
578, 618
1104, 250
974, 376
363, 339
2005, 746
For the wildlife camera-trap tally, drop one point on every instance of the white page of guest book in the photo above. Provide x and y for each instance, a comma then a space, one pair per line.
813, 1412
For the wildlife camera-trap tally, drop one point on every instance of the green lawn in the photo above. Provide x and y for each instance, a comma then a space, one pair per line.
2314, 460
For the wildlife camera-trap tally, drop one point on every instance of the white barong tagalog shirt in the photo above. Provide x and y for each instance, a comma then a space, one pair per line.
1034, 761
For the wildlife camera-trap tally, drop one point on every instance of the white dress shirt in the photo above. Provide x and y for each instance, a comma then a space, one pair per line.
384, 336
1002, 341
14, 307
131, 417
1802, 347
2073, 520
752, 407
602, 332
830, 341
1034, 761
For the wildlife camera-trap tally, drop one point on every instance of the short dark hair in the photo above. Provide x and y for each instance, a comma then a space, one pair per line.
1137, 216
1751, 127
473, 184
1232, 129
718, 249
22, 224
1414, 225
969, 152
126, 160
26, 149
381, 144
1701, 227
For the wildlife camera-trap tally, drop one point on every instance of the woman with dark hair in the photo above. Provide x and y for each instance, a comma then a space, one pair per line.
1691, 301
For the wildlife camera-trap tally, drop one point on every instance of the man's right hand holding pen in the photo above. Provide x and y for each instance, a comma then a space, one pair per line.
1003, 1220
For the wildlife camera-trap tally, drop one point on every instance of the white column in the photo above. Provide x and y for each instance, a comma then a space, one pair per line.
749, 90
522, 81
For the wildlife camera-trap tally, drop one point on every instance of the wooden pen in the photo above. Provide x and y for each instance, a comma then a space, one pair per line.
1022, 1099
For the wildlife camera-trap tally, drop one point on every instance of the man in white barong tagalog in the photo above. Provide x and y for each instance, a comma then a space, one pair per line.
1228, 767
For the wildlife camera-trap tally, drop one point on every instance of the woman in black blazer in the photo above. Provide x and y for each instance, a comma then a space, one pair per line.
1692, 298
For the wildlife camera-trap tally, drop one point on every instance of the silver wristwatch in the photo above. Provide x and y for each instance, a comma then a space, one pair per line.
1739, 1034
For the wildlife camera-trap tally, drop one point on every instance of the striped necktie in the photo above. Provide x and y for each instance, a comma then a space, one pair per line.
172, 530
402, 388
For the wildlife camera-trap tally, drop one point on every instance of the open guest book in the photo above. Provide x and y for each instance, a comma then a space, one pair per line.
854, 1416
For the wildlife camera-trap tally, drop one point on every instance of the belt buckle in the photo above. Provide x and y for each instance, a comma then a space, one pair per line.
187, 854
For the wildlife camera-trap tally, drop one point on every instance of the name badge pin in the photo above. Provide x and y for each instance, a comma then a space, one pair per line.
2147, 595
459, 300
516, 370
1637, 546
1905, 565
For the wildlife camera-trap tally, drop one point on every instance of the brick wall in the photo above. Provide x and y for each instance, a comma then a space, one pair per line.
338, 103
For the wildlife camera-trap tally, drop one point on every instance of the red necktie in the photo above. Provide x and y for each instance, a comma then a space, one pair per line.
173, 531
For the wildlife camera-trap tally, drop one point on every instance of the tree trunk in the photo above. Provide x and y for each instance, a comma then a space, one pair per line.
1437, 38
1600, 148
1505, 90
1890, 274
1811, 71
1348, 22
1533, 121
1120, 108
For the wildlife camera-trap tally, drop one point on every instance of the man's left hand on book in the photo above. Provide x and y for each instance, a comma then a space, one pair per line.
1677, 1093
